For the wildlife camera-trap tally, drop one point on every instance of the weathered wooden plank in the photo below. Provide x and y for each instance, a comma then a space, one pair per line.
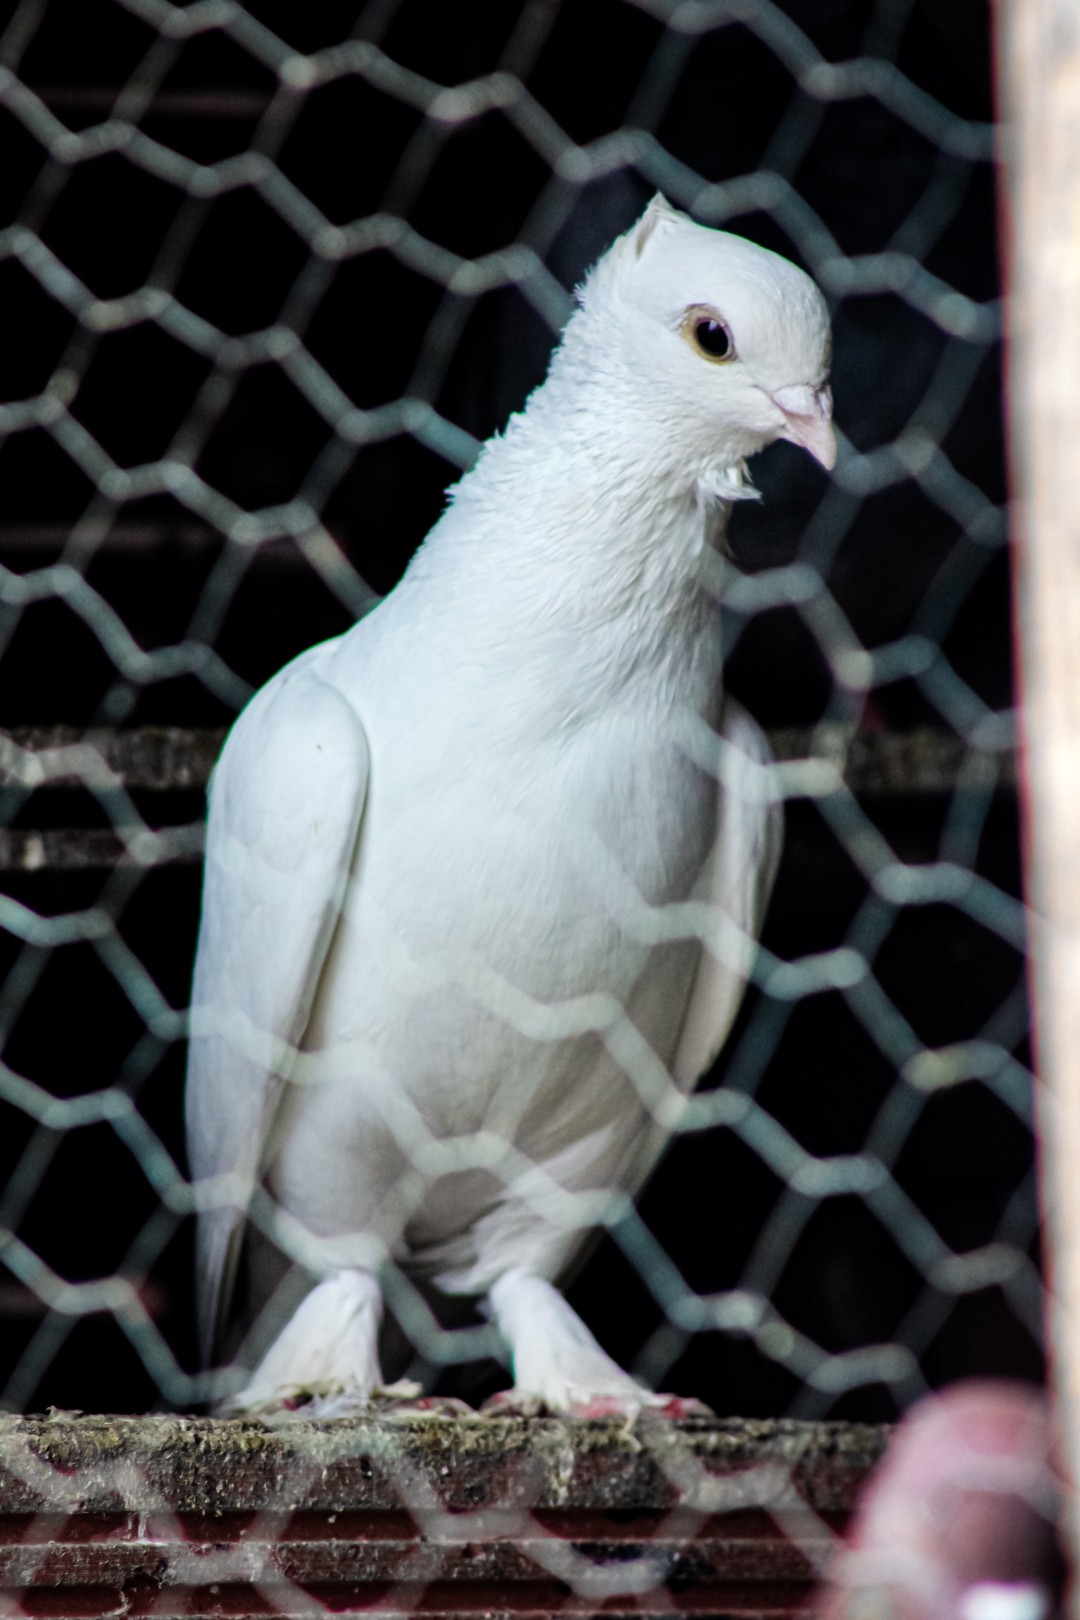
900, 764
271, 1548
157, 758
103, 1464
1038, 45
96, 849
164, 758
827, 759
445, 1517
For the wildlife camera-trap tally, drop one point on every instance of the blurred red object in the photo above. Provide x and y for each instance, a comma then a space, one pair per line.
959, 1520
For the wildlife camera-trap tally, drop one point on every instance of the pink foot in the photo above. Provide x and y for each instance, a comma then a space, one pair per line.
515, 1403
678, 1407
447, 1406
671, 1408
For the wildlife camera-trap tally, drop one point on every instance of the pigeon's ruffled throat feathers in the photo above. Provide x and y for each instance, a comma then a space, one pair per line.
622, 419
595, 454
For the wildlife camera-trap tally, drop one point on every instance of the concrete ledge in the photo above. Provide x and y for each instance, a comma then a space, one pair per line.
445, 1517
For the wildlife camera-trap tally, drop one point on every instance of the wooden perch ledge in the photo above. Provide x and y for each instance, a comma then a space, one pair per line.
444, 1517
169, 759
166, 758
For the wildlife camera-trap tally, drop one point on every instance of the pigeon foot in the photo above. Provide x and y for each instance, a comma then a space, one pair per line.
325, 1361
558, 1366
670, 1408
405, 1398
526, 1403
325, 1401
292, 1402
431, 1406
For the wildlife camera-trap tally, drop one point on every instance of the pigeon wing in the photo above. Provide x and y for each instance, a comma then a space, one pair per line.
286, 802
738, 882
736, 886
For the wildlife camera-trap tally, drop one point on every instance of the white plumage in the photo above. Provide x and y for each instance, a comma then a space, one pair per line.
451, 979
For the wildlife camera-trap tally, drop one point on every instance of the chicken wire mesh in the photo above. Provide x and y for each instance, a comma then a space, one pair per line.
270, 277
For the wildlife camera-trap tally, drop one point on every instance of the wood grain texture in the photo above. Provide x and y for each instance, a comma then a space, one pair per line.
445, 1517
925, 760
1038, 45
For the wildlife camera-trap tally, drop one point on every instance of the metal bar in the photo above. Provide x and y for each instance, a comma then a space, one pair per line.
50, 539
99, 101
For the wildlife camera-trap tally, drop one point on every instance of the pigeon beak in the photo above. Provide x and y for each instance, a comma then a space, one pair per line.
808, 420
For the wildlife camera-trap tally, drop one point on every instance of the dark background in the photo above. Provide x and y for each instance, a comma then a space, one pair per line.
888, 196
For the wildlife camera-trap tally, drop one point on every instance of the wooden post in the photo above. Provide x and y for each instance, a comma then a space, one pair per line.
1038, 55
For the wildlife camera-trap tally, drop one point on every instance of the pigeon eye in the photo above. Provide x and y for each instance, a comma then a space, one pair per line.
708, 334
712, 338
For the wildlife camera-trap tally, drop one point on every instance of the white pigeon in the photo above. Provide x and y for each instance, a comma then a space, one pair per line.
485, 874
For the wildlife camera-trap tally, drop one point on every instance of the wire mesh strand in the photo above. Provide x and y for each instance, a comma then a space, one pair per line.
273, 280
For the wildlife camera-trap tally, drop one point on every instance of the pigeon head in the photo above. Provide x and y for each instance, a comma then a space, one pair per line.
723, 340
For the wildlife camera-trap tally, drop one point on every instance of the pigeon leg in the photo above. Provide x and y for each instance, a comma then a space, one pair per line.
325, 1360
558, 1365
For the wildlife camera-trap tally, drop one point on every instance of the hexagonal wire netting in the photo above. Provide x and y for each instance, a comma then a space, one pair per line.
270, 277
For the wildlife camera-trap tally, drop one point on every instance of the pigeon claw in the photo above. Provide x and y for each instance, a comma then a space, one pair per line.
609, 1406
433, 1406
678, 1407
670, 1408
523, 1403
516, 1403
